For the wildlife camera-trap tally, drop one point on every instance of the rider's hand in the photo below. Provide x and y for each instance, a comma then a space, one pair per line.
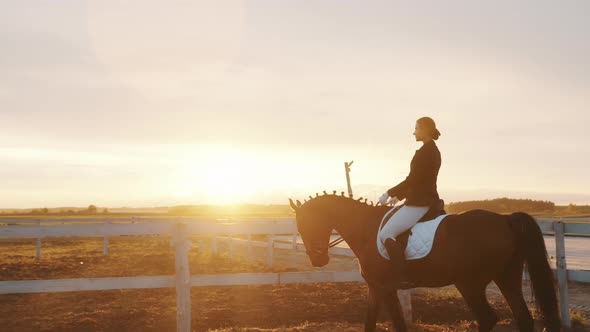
383, 199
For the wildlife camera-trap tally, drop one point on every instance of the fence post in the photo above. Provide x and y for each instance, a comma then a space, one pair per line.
230, 246
269, 251
405, 299
183, 281
38, 253
294, 248
250, 255
347, 170
214, 243
105, 244
561, 268
526, 276
200, 244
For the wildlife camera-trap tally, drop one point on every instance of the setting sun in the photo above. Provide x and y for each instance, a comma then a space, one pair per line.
223, 175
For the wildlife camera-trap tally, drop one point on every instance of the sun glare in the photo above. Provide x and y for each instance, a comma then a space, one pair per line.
234, 174
219, 175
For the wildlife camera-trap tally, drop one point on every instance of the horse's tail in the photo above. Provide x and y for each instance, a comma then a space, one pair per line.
531, 247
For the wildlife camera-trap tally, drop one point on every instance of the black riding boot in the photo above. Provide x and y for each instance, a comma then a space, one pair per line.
398, 262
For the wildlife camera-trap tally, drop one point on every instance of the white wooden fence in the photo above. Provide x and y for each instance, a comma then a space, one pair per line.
107, 221
180, 231
180, 228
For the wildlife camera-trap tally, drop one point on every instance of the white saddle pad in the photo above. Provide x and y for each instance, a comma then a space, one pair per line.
420, 241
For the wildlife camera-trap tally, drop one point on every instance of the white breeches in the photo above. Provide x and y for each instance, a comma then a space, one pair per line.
401, 221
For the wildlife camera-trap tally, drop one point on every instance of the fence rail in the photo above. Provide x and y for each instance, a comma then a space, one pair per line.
144, 229
142, 220
93, 284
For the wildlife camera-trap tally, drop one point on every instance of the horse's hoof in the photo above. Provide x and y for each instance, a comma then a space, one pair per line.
473, 326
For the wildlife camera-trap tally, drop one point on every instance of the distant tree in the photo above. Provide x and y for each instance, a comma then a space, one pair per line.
45, 210
105, 211
571, 208
503, 205
91, 209
180, 210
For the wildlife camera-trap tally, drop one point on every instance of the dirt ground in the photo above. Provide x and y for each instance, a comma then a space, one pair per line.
298, 307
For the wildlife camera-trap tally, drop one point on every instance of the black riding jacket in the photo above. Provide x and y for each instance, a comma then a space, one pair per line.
419, 187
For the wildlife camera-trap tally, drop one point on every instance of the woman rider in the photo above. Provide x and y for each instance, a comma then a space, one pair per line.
419, 190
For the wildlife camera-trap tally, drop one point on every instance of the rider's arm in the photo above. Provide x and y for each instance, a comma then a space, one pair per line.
400, 190
425, 165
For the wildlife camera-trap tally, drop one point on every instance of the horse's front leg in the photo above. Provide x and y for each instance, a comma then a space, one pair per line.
395, 309
372, 310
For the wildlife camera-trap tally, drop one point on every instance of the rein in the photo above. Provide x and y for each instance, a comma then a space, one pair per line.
386, 216
335, 242
390, 212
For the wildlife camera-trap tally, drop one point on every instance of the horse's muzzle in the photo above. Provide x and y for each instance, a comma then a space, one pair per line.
319, 260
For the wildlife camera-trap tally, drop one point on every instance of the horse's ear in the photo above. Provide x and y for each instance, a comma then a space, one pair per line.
298, 203
293, 206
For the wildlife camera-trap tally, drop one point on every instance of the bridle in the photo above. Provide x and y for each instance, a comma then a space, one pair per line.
330, 245
340, 239
315, 251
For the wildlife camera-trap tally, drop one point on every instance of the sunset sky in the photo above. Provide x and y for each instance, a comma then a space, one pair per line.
145, 103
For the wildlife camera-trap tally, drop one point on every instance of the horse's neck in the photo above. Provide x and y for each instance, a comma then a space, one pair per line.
358, 226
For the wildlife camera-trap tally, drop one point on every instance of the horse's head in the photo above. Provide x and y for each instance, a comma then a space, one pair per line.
315, 231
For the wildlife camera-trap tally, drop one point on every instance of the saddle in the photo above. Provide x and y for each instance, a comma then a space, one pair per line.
437, 209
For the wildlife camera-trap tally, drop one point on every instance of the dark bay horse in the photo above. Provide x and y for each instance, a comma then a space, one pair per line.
470, 250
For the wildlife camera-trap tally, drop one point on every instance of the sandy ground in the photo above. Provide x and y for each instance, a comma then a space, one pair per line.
303, 307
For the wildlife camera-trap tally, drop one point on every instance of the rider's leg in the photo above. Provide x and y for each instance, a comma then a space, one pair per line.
406, 217
398, 262
401, 221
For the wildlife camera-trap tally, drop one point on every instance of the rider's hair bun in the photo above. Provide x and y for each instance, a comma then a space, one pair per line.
428, 123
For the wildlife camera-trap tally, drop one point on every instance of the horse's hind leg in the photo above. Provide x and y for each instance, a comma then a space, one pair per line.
475, 296
372, 310
393, 305
510, 284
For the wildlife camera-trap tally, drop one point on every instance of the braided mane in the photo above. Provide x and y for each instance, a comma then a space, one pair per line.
360, 200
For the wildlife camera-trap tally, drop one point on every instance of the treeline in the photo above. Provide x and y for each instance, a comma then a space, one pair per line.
503, 205
91, 209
